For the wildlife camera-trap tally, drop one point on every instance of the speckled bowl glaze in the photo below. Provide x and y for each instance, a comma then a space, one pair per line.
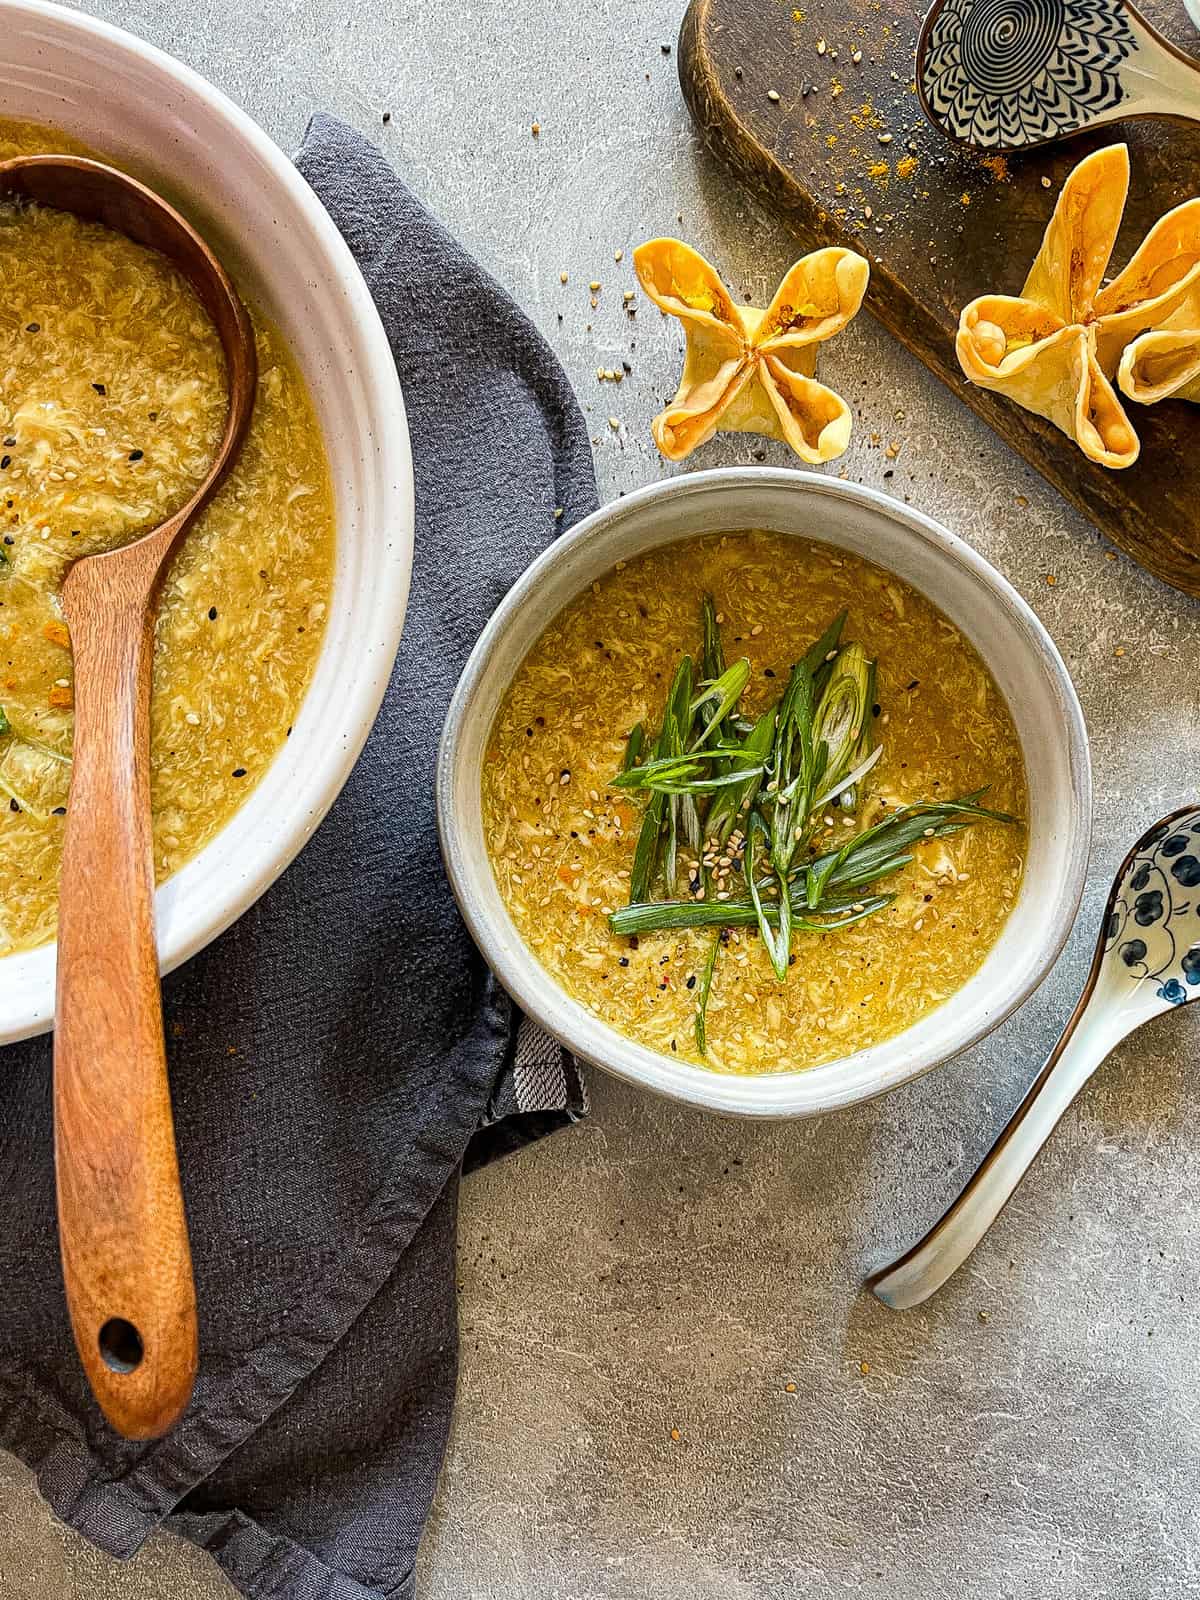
1007, 635
166, 125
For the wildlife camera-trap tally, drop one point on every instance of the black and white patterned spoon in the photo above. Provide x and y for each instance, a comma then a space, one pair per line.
1147, 961
1012, 74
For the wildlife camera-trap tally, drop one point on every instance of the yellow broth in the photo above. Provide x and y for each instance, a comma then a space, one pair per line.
112, 399
562, 841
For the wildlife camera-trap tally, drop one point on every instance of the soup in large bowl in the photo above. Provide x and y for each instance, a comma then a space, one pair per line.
112, 399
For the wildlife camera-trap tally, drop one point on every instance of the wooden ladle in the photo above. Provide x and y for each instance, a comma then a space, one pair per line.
126, 1260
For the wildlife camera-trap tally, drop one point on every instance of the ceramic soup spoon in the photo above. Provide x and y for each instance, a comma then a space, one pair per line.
126, 1259
1012, 74
1147, 961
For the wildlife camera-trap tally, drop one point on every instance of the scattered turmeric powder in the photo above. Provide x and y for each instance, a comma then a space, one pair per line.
906, 166
57, 633
998, 167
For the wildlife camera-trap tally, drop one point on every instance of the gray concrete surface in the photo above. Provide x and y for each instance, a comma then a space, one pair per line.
1036, 1431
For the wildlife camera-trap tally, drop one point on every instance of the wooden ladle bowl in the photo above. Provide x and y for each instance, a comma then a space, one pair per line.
126, 1260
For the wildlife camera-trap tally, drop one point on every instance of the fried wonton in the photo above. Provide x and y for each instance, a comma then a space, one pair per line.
1056, 346
748, 370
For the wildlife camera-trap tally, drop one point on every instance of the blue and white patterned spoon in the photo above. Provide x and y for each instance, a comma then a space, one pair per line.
1012, 74
1147, 961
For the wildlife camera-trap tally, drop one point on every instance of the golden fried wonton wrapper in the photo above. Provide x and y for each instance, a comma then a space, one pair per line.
748, 370
1055, 347
1162, 365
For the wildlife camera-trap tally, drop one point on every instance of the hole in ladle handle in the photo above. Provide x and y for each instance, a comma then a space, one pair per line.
121, 1346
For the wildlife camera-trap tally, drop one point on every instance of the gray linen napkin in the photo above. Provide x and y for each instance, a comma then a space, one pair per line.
341, 1052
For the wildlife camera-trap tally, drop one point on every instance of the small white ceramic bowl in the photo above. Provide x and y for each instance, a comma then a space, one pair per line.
166, 125
1012, 642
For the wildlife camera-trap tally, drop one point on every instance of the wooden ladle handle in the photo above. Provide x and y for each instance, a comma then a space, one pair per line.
126, 1260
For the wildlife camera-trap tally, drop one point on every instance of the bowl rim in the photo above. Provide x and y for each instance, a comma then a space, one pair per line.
28, 1009
536, 991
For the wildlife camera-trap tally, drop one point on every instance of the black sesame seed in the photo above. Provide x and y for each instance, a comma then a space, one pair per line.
136, 455
212, 613
4, 461
59, 811
239, 772
99, 388
33, 327
691, 983
622, 961
13, 806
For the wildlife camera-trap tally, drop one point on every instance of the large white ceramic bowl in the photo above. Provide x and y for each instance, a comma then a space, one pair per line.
164, 123
1011, 640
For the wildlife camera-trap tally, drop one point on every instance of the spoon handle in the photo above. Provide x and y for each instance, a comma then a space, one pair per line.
926, 1266
126, 1260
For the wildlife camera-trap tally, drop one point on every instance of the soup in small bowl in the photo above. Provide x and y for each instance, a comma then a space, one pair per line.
786, 803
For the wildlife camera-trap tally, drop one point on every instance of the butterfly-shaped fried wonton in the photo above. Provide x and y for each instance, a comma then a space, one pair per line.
748, 370
1055, 347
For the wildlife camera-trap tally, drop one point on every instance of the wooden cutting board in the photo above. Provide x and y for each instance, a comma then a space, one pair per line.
847, 156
